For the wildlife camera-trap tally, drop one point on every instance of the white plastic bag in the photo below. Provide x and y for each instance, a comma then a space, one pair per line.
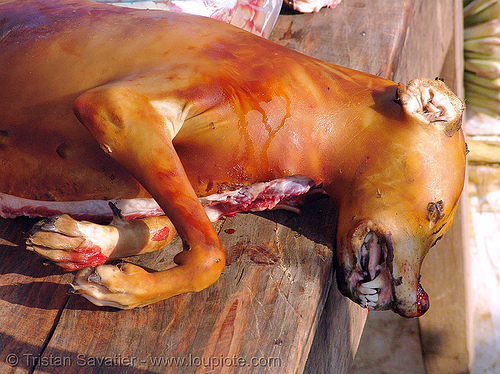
256, 16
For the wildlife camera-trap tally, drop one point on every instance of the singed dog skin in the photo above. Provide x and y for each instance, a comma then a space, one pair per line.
101, 102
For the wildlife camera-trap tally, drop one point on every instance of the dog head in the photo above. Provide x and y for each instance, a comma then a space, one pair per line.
400, 201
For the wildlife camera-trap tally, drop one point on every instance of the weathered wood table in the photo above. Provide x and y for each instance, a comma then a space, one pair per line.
276, 307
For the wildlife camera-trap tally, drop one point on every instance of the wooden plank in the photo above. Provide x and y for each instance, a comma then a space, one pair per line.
337, 336
446, 329
31, 297
363, 35
484, 184
259, 314
425, 48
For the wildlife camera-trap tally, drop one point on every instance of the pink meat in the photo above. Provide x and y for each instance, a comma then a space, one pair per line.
283, 193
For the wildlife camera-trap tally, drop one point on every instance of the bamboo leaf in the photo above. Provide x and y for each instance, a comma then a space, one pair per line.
482, 30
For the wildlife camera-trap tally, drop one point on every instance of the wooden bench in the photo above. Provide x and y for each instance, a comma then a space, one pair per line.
276, 307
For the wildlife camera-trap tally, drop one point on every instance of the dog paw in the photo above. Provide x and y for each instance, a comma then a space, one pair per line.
71, 244
116, 286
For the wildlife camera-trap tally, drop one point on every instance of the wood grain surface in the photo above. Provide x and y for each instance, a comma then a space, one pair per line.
264, 312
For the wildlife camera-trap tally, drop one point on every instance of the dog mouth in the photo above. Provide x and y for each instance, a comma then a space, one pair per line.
367, 275
370, 280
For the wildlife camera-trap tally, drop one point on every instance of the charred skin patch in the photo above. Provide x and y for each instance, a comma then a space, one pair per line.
435, 211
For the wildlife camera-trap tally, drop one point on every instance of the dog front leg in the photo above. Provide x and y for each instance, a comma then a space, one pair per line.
139, 137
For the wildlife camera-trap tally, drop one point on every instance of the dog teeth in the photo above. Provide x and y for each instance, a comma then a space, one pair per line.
371, 305
367, 290
364, 250
368, 237
375, 283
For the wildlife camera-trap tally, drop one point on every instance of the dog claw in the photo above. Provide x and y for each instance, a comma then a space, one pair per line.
94, 277
71, 290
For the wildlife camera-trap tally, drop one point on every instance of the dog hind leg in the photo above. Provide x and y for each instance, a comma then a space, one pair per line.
74, 245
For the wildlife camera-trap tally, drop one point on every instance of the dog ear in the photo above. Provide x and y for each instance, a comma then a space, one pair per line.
431, 102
